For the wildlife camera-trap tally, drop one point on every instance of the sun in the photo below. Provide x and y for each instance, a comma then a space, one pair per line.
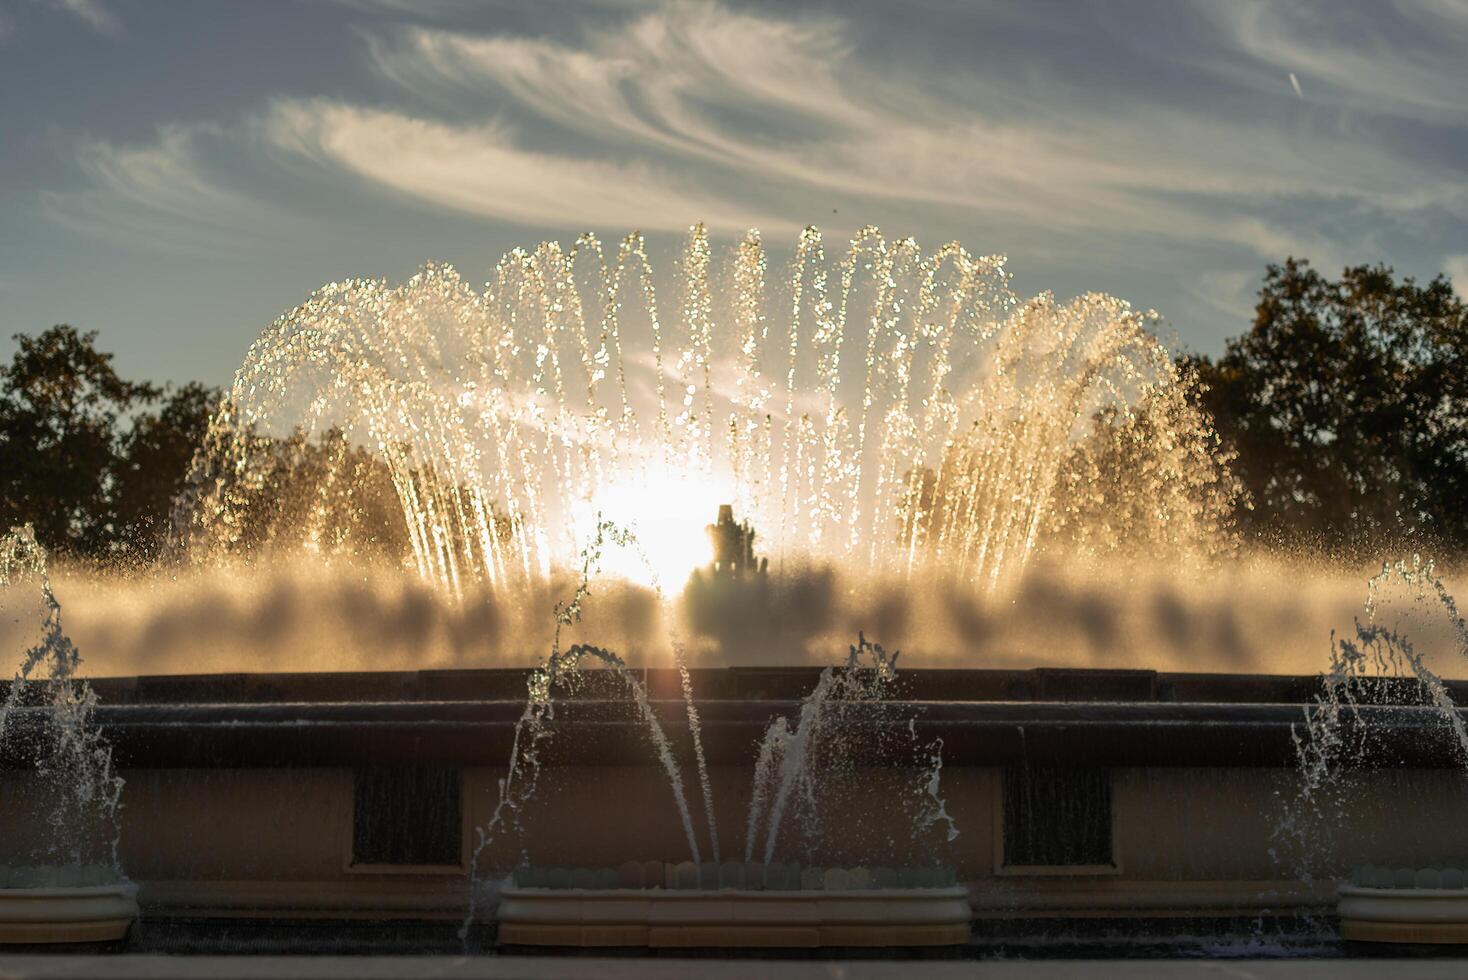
667, 512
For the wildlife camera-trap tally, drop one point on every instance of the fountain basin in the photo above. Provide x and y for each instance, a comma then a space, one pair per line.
1404, 915
734, 917
68, 914
1405, 905
1196, 764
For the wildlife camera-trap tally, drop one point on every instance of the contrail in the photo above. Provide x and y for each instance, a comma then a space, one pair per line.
1295, 84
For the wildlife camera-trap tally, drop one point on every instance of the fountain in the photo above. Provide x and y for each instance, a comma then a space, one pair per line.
709, 902
74, 889
909, 415
1378, 691
882, 436
887, 416
757, 902
1377, 697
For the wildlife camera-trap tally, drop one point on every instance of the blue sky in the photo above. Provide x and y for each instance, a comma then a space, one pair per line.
176, 174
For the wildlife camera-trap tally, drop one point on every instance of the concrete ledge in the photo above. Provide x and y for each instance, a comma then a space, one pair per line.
720, 684
84, 914
1404, 915
359, 898
409, 898
732, 936
1035, 898
471, 733
734, 918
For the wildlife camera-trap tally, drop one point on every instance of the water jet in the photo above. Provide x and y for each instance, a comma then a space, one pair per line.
71, 888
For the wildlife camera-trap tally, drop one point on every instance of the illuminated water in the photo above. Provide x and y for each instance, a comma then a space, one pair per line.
1378, 663
795, 756
880, 408
920, 452
72, 789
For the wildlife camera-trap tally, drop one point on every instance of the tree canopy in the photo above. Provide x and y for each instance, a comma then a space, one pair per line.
1347, 403
84, 461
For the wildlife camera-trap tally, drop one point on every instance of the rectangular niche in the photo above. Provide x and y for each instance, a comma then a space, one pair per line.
1056, 821
406, 819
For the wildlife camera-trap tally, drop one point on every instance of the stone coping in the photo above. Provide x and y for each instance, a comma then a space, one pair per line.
1448, 876
397, 897
475, 733
1404, 915
719, 684
403, 896
658, 878
723, 918
85, 913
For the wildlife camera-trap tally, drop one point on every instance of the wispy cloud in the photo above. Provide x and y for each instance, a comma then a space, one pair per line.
161, 194
1455, 267
672, 112
481, 170
1231, 293
90, 12
787, 102
1355, 56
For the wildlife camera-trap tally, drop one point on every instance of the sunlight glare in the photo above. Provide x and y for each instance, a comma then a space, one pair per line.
667, 512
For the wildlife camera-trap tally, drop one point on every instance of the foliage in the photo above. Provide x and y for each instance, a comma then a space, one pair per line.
60, 404
1151, 480
1146, 478
67, 466
328, 495
156, 453
1347, 402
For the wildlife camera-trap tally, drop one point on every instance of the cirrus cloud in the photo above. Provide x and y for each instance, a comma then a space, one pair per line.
1195, 160
480, 170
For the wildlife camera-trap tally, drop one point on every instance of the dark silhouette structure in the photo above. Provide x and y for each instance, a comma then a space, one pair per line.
734, 547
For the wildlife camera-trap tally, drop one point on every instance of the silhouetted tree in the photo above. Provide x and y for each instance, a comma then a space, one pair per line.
267, 494
1347, 402
66, 465
154, 459
60, 402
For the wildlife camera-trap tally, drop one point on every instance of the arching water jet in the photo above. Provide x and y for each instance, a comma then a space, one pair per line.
905, 412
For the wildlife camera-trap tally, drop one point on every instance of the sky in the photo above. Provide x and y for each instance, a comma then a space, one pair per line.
174, 175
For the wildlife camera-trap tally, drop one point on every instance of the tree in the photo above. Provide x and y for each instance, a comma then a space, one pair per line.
154, 459
1347, 402
90, 489
254, 495
60, 402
